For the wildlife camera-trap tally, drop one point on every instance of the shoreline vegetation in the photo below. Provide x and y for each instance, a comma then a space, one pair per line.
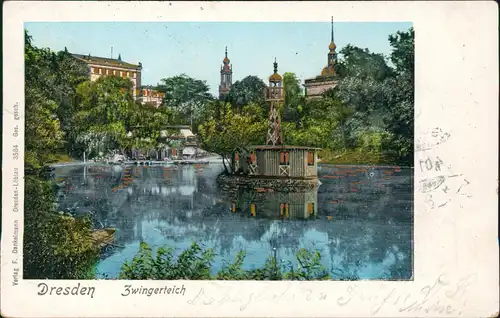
348, 157
195, 263
366, 119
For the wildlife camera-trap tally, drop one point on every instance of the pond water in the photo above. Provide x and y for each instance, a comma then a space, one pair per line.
360, 219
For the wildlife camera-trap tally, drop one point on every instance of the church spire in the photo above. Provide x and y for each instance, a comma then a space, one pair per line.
226, 59
332, 45
332, 29
332, 57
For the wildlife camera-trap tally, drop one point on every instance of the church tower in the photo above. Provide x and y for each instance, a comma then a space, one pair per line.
329, 70
226, 77
316, 86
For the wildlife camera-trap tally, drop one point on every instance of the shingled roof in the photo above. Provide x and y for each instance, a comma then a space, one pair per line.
105, 61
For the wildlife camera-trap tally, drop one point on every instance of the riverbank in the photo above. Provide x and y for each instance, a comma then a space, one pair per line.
356, 157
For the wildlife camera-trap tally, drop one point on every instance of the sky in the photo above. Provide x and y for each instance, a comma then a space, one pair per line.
197, 49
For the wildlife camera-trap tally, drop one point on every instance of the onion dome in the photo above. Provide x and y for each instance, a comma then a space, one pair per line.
332, 46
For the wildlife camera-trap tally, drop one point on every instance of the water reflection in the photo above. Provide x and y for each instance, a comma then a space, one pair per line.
271, 205
359, 218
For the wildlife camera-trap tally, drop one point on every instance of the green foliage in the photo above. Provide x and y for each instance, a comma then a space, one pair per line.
230, 130
308, 267
195, 263
369, 114
400, 96
55, 246
185, 97
249, 90
50, 87
295, 108
361, 63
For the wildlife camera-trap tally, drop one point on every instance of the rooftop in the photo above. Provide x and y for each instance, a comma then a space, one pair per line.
322, 78
105, 61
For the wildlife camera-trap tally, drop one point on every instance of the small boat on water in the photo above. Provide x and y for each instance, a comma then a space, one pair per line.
190, 162
191, 157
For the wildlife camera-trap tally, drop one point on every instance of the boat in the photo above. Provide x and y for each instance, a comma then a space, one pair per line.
190, 161
190, 158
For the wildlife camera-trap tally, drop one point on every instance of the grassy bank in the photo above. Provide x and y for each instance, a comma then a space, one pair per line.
355, 157
62, 158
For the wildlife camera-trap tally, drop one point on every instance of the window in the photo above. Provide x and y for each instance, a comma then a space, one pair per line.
284, 158
133, 74
310, 158
100, 71
128, 74
253, 157
114, 72
310, 209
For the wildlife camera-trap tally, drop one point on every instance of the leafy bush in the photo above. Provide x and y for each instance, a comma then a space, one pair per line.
195, 263
54, 246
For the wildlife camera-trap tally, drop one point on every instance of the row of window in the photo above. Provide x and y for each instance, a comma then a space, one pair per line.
285, 158
106, 71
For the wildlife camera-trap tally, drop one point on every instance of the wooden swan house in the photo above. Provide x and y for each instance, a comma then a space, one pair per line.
280, 161
274, 165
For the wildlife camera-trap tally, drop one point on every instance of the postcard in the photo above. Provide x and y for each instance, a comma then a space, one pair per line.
250, 159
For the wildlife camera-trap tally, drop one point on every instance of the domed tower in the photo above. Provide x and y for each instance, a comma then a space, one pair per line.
275, 96
226, 77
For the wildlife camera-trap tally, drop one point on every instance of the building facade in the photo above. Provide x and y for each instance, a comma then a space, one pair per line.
102, 66
226, 77
315, 87
147, 95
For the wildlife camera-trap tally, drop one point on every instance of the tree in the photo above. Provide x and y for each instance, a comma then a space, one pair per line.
103, 111
232, 130
70, 73
43, 126
145, 125
400, 95
185, 96
55, 245
295, 103
55, 77
248, 90
362, 64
